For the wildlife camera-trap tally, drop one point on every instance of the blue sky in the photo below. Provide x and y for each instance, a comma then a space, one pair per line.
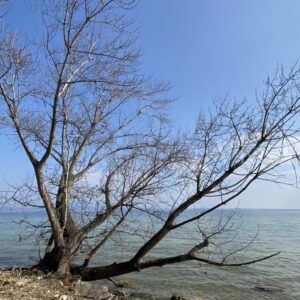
217, 47
206, 49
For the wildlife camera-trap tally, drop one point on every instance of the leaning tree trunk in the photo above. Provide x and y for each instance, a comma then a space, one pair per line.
97, 273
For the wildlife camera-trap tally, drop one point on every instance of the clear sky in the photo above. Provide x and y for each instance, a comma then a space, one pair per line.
206, 49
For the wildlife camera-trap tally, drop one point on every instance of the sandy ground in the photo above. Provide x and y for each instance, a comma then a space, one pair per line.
35, 285
17, 284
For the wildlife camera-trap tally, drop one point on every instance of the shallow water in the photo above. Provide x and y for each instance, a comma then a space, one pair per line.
279, 230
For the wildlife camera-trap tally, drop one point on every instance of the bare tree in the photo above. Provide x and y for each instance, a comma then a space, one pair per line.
101, 147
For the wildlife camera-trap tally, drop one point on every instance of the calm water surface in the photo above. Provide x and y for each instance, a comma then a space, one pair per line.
279, 230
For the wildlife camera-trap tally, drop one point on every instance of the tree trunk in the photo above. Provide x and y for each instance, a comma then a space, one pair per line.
57, 260
97, 273
63, 267
65, 217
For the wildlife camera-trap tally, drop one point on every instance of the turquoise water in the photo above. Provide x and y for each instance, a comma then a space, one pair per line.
278, 230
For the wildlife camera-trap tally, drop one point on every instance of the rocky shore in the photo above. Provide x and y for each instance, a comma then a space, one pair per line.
33, 285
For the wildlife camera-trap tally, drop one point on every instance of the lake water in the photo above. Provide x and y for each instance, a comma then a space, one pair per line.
278, 230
